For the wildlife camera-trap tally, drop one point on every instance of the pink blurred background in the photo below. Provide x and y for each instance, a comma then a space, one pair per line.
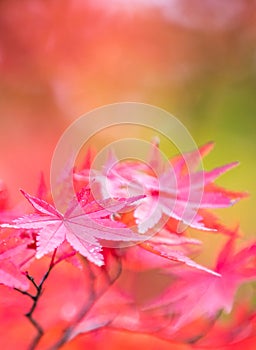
61, 58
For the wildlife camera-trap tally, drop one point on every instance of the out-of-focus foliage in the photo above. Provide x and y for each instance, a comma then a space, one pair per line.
179, 300
61, 58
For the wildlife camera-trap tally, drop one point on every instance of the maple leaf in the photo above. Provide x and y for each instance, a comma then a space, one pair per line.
118, 180
42, 190
67, 253
180, 194
119, 309
174, 190
195, 293
83, 224
14, 258
163, 245
237, 332
190, 295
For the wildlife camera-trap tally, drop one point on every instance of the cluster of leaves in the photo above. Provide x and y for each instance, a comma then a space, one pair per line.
127, 221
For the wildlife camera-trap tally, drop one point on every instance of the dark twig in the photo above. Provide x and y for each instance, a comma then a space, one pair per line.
24, 293
35, 298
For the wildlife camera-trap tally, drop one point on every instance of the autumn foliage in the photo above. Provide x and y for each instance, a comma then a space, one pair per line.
128, 238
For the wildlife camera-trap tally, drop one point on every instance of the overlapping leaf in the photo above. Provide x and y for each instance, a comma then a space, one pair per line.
82, 225
14, 257
176, 189
195, 293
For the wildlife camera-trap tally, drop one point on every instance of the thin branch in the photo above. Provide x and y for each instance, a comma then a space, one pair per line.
35, 298
24, 293
87, 307
40, 331
31, 279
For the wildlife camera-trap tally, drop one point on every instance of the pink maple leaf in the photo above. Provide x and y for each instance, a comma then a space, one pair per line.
172, 191
82, 225
67, 253
14, 258
163, 247
166, 245
180, 194
195, 293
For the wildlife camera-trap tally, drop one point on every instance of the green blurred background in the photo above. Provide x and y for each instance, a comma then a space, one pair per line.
196, 59
61, 58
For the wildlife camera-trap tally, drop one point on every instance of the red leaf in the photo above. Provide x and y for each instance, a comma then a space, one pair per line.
176, 190
82, 225
194, 293
163, 246
14, 257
